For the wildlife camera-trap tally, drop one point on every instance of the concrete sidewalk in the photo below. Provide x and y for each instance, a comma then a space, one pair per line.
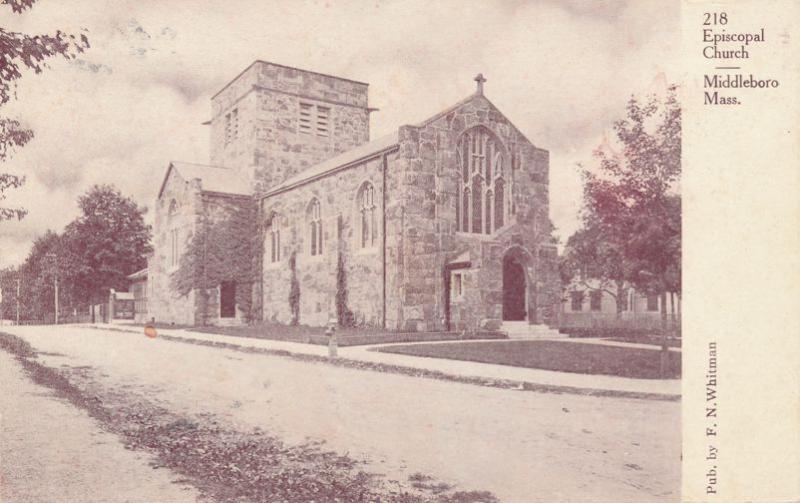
670, 388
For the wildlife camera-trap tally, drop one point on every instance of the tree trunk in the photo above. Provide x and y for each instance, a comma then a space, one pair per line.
672, 308
664, 348
620, 298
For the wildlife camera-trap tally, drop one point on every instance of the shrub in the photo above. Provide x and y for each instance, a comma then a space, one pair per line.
343, 313
294, 290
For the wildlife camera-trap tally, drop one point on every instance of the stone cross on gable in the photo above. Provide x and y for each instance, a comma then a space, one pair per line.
480, 79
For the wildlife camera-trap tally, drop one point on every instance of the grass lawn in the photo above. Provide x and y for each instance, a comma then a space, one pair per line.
553, 355
351, 336
655, 340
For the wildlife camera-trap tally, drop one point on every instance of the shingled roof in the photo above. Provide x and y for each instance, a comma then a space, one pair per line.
212, 178
359, 153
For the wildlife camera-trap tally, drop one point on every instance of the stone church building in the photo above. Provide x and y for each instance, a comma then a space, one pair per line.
440, 225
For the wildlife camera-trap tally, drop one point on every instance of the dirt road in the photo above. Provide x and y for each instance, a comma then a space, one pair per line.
52, 452
521, 446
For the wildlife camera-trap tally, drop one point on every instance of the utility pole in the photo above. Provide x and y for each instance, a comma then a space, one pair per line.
19, 280
55, 283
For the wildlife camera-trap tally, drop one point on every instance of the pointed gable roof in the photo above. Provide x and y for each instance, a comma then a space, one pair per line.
471, 97
212, 178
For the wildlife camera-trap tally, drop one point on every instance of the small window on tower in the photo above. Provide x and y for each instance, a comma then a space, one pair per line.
231, 126
305, 117
227, 129
322, 120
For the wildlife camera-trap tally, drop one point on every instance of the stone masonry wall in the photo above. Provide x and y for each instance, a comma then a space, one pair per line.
195, 209
163, 304
269, 147
317, 274
226, 259
429, 187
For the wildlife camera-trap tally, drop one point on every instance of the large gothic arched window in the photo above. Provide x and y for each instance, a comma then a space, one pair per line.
481, 201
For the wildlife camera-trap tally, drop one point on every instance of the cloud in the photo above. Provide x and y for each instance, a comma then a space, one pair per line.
561, 71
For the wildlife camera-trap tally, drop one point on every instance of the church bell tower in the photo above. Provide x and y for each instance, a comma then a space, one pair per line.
272, 121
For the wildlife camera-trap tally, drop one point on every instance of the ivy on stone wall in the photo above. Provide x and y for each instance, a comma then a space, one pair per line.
294, 290
343, 313
224, 248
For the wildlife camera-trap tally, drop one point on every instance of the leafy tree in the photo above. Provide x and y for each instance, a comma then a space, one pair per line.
595, 262
36, 275
106, 243
19, 51
8, 293
216, 252
632, 214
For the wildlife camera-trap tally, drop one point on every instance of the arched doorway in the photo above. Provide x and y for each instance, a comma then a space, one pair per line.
514, 289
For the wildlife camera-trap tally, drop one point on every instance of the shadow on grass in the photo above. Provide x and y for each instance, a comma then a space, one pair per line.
554, 355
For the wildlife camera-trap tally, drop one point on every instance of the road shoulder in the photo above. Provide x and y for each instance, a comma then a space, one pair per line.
52, 451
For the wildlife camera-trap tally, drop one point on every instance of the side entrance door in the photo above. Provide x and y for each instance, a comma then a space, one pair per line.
227, 299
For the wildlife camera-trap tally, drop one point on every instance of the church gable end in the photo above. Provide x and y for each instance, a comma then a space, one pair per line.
472, 184
176, 209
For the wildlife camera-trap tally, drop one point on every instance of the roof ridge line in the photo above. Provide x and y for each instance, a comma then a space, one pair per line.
203, 165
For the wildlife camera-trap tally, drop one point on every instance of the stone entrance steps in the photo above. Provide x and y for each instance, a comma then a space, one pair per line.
523, 330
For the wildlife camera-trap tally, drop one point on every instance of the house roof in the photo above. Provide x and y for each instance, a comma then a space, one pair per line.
212, 178
362, 152
142, 274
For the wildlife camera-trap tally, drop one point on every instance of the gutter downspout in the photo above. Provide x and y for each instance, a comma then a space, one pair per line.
383, 239
260, 254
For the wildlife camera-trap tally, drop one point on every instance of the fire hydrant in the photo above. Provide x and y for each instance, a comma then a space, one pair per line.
332, 343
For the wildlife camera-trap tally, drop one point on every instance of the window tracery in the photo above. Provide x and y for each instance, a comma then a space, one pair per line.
482, 197
367, 216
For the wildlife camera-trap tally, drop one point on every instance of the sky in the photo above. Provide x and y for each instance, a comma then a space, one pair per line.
561, 71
